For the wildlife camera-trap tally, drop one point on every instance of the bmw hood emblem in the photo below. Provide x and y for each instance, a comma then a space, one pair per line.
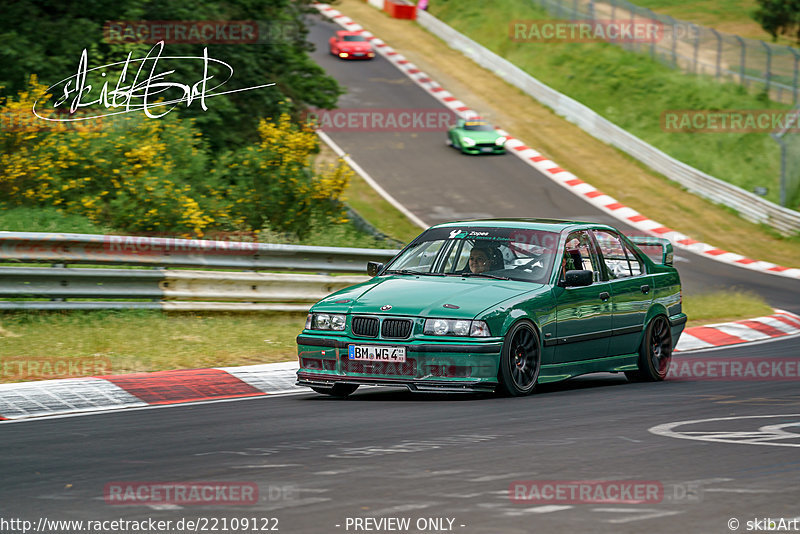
386, 307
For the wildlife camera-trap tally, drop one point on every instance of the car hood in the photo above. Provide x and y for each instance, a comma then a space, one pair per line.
425, 296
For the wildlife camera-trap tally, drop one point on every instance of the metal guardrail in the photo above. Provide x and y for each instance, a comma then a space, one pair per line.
749, 205
156, 287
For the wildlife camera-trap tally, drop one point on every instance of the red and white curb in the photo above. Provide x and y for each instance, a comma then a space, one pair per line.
28, 400
779, 324
95, 394
552, 170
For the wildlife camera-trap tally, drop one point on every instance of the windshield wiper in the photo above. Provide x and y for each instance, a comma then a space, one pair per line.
486, 275
402, 271
409, 271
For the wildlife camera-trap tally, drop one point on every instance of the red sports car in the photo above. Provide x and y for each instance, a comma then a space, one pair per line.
350, 45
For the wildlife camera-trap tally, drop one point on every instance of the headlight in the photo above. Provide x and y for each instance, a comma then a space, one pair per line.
326, 321
468, 141
337, 322
456, 327
500, 141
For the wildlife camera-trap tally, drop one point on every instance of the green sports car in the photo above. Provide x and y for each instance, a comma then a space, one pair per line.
499, 305
475, 136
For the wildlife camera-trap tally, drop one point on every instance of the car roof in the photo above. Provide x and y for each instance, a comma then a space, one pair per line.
550, 225
342, 33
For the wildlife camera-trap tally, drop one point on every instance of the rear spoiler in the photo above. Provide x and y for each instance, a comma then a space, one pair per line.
648, 241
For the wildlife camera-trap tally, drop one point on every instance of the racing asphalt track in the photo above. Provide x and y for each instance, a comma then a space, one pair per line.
388, 453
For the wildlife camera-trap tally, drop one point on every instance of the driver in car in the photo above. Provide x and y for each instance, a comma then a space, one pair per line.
483, 258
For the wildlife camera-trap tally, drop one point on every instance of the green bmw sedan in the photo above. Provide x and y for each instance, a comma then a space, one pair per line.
499, 305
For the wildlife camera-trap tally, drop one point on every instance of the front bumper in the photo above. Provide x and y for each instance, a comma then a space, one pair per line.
494, 149
446, 366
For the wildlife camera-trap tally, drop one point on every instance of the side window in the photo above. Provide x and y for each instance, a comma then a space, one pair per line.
580, 254
637, 267
620, 261
614, 254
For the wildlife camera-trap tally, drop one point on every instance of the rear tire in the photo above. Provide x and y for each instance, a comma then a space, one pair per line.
338, 390
520, 360
655, 354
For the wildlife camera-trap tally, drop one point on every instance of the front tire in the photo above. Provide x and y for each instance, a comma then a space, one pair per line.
520, 360
337, 390
655, 354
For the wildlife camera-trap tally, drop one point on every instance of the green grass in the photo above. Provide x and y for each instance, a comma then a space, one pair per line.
719, 306
143, 341
46, 219
631, 90
139, 340
729, 16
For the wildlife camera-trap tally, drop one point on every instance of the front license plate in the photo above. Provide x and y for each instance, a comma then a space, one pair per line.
359, 54
377, 353
486, 149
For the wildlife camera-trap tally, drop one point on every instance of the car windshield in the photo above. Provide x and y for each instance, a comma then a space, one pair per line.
354, 38
478, 126
481, 252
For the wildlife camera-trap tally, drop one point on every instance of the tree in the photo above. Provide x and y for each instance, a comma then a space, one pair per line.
46, 38
779, 17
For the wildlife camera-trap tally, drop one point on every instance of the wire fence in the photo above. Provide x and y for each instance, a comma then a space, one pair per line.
757, 65
789, 140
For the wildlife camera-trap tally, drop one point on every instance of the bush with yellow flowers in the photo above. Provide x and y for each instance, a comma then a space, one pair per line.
272, 184
142, 175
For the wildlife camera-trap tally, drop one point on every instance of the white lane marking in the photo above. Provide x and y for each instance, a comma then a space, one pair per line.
629, 439
643, 513
108, 411
367, 178
736, 490
265, 466
546, 509
489, 478
401, 508
767, 435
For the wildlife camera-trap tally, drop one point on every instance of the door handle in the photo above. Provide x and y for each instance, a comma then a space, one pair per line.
604, 296
645, 289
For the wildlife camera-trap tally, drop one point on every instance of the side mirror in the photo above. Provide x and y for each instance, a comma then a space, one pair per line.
374, 267
578, 278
